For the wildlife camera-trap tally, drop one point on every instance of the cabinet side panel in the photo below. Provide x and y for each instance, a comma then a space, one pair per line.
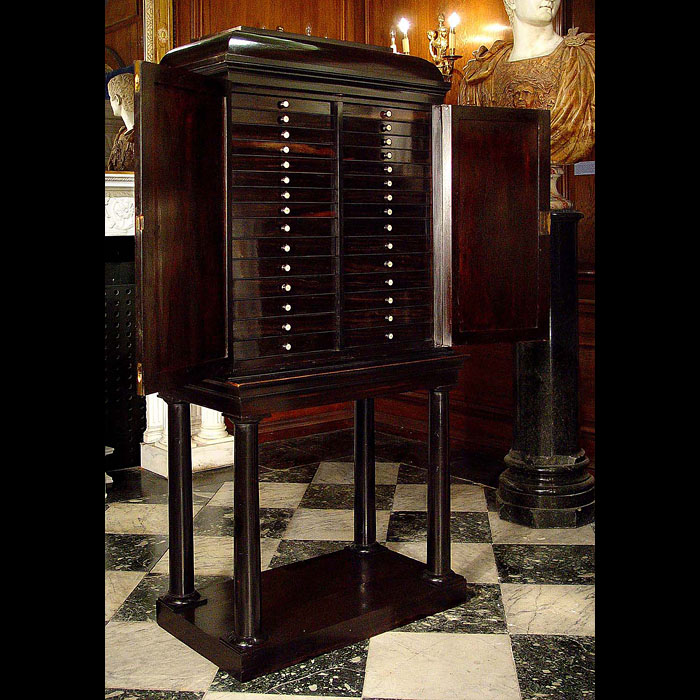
495, 241
181, 270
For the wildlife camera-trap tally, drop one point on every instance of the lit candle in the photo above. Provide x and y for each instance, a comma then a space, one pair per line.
392, 34
404, 24
453, 21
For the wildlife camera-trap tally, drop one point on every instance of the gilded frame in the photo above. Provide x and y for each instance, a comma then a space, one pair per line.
157, 29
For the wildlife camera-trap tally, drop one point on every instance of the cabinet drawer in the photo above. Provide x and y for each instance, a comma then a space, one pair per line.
389, 262
280, 306
286, 247
283, 267
259, 148
281, 164
384, 226
387, 168
387, 183
386, 211
399, 337
282, 287
386, 113
388, 196
387, 245
386, 317
288, 345
388, 127
279, 179
281, 193
284, 326
281, 134
384, 300
386, 280
282, 210
263, 228
277, 102
385, 141
385, 155
282, 118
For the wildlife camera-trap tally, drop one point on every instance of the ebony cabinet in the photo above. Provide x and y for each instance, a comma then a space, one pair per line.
314, 226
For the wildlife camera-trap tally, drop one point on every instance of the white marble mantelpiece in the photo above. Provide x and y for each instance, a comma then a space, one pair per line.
119, 204
212, 446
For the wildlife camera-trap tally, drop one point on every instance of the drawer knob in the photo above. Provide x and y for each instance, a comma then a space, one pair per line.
286, 307
386, 142
388, 197
287, 346
286, 227
388, 227
287, 327
388, 169
388, 183
389, 300
387, 155
283, 119
388, 263
285, 210
286, 287
389, 318
388, 212
283, 104
286, 268
386, 127
286, 247
285, 134
390, 336
389, 245
285, 179
386, 114
285, 149
389, 282
285, 195
285, 164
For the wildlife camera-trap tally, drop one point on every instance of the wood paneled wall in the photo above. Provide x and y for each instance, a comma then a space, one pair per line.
482, 404
123, 32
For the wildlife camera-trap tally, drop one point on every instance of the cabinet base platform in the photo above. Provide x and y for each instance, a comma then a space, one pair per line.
312, 607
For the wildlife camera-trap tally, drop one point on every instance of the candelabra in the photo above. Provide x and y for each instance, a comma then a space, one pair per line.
442, 45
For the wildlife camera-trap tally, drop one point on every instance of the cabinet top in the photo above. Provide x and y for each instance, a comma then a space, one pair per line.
309, 58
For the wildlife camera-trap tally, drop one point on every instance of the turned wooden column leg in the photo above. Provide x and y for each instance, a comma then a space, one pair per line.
246, 533
439, 485
180, 528
365, 509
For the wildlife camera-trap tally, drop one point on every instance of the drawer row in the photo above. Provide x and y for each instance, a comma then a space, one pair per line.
386, 182
380, 301
285, 165
314, 226
285, 267
286, 194
292, 247
321, 209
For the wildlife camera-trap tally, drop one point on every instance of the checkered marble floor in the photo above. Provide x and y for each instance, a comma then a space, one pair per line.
527, 630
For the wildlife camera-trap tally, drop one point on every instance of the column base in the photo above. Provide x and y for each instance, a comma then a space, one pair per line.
154, 457
546, 492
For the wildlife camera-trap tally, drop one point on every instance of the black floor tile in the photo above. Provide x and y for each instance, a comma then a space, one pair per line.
545, 563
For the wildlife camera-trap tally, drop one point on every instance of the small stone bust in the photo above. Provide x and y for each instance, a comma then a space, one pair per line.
121, 98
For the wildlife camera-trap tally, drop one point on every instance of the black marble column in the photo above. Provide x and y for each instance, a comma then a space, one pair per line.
546, 484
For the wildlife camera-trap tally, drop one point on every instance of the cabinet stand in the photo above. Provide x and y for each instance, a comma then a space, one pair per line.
258, 623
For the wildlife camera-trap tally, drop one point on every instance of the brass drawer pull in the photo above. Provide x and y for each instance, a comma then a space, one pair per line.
390, 336
389, 245
286, 307
287, 346
286, 268
388, 183
285, 180
388, 212
286, 247
284, 164
389, 318
386, 142
388, 227
387, 155
388, 169
388, 197
389, 300
283, 104
287, 327
388, 263
285, 210
285, 195
386, 114
283, 119
286, 227
386, 127
284, 149
390, 282
286, 287
285, 134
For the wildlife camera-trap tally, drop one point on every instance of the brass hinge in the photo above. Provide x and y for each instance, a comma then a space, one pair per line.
139, 223
545, 223
137, 82
139, 379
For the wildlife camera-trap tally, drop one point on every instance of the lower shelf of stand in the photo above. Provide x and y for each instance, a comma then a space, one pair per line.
312, 607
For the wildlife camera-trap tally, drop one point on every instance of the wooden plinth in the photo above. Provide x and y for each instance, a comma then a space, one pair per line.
312, 607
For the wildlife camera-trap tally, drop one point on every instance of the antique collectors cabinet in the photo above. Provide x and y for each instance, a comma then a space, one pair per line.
313, 227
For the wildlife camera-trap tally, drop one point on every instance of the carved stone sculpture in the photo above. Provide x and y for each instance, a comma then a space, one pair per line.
121, 97
540, 69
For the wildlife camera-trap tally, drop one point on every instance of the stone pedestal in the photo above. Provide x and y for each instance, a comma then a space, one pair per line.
545, 484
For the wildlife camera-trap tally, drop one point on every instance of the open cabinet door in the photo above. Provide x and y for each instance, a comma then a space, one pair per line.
180, 192
491, 222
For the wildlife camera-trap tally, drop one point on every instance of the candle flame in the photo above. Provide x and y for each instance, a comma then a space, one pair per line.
453, 20
404, 24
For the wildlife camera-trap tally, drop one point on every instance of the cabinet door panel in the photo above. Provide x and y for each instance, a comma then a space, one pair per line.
180, 177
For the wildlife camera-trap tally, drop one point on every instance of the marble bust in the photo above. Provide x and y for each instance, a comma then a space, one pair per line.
121, 98
540, 69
